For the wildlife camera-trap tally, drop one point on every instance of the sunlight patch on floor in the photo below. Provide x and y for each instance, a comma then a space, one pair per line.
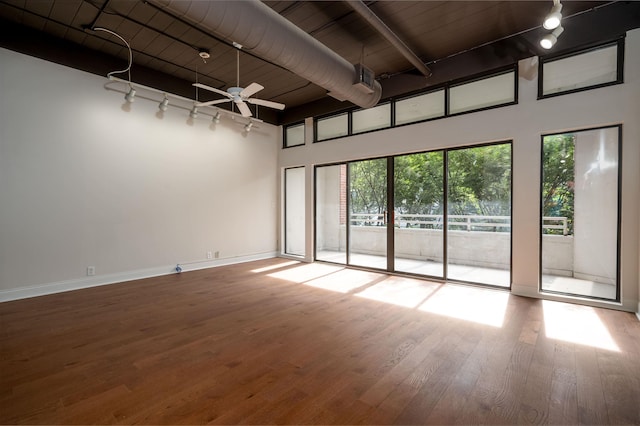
478, 305
576, 324
400, 291
276, 266
308, 272
344, 281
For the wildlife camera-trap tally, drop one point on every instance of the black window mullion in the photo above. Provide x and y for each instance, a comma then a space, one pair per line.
390, 215
445, 213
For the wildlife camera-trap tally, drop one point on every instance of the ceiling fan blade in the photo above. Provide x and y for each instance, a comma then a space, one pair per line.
250, 90
244, 109
269, 104
217, 101
212, 89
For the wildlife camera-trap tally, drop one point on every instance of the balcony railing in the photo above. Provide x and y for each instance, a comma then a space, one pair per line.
470, 223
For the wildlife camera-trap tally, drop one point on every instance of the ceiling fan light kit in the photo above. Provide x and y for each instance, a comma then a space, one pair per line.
238, 95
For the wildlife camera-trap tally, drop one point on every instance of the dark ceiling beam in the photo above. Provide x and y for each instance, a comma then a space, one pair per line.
372, 19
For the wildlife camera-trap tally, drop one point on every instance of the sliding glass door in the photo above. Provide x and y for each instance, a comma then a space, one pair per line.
331, 213
580, 213
294, 211
368, 213
444, 214
479, 214
418, 186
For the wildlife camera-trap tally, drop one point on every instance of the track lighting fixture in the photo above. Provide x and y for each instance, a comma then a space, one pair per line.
552, 20
164, 104
164, 99
130, 96
549, 40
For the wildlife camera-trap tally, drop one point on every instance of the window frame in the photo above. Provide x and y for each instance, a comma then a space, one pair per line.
445, 86
619, 218
416, 95
284, 134
480, 77
316, 120
380, 104
618, 42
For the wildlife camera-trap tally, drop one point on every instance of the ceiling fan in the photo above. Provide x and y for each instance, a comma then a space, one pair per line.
239, 95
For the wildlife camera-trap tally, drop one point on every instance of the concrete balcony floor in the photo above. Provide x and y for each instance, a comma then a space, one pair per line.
473, 274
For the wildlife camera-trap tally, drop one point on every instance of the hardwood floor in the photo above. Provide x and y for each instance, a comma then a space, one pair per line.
267, 342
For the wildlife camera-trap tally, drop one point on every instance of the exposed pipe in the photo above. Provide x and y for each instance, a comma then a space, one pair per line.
272, 37
359, 7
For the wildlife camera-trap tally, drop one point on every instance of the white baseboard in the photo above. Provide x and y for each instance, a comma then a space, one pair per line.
99, 280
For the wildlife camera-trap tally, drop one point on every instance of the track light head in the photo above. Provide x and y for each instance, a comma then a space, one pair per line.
552, 20
550, 40
216, 118
164, 104
130, 97
248, 126
194, 112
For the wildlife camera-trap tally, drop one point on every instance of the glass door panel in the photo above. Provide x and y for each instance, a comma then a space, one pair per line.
580, 213
419, 206
294, 211
368, 213
479, 214
331, 213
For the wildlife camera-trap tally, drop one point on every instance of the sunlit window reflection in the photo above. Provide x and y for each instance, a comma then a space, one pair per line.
467, 303
576, 324
276, 266
344, 281
304, 273
400, 291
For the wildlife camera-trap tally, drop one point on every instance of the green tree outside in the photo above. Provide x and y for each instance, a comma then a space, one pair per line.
479, 182
558, 178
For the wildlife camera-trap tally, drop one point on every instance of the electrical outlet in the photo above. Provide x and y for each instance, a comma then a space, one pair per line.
209, 255
91, 271
217, 254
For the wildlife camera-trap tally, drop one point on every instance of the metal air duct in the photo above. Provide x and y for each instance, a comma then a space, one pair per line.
272, 37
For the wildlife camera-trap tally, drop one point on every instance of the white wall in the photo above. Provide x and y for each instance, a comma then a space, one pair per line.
85, 182
523, 123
